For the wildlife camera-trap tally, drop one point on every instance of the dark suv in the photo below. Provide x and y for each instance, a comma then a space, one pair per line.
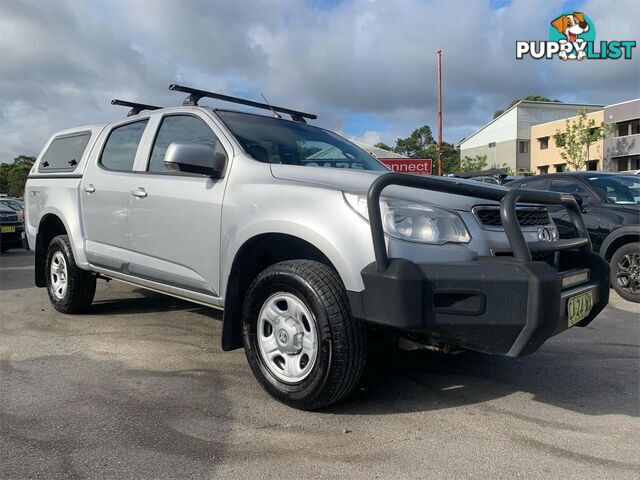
611, 211
11, 229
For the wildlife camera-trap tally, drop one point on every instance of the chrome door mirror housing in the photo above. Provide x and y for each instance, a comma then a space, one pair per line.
195, 158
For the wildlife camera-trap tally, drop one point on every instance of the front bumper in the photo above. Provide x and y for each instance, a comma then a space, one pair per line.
14, 239
500, 305
496, 305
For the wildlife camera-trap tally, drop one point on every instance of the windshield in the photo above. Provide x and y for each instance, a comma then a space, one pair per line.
620, 189
271, 140
13, 204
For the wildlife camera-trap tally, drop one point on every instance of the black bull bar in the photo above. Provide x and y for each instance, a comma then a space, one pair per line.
495, 304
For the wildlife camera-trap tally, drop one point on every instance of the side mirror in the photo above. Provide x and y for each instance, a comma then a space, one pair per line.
578, 199
580, 202
194, 158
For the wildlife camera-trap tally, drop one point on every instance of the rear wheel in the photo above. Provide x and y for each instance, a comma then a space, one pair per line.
302, 344
625, 272
70, 288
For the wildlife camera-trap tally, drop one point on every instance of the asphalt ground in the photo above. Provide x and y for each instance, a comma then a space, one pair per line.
140, 389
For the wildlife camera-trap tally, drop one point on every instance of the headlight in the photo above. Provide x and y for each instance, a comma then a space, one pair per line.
414, 221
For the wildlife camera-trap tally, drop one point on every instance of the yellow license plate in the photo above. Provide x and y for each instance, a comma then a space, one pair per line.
578, 307
7, 229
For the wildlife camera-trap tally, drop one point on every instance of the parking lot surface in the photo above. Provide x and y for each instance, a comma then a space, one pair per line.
140, 388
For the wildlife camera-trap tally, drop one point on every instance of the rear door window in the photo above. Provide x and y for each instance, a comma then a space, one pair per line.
539, 184
569, 186
120, 150
64, 153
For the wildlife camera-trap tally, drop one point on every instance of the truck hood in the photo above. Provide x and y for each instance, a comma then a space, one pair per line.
359, 181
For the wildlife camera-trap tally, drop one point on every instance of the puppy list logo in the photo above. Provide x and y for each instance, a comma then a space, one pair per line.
572, 36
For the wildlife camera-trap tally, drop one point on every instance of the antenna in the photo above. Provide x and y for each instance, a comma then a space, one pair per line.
136, 108
274, 112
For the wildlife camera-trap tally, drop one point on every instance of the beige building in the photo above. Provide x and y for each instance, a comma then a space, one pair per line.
506, 140
545, 156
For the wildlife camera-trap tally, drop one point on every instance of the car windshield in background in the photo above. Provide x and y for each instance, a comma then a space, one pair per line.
12, 204
271, 140
620, 189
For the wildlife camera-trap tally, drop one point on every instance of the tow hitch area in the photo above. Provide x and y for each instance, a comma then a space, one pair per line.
498, 305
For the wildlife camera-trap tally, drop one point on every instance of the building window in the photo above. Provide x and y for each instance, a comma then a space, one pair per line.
543, 169
631, 127
628, 163
592, 165
523, 146
544, 143
492, 145
561, 167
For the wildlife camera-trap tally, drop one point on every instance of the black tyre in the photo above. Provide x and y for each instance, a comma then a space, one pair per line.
70, 288
625, 272
302, 343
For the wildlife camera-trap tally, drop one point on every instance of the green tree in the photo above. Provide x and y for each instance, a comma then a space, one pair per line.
13, 176
450, 157
383, 146
473, 164
534, 98
575, 140
421, 144
415, 145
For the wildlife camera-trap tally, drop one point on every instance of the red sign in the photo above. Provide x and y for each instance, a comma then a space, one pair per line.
417, 166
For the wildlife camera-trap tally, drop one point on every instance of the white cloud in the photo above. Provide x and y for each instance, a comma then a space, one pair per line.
370, 137
63, 61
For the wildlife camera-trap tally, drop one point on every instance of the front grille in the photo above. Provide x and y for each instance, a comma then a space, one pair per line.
490, 216
8, 217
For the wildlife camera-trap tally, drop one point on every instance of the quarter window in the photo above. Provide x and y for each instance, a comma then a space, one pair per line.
120, 150
180, 129
64, 153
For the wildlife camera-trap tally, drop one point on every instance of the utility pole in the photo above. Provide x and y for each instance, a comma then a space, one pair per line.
439, 56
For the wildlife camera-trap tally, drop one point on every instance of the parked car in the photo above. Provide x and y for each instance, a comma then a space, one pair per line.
611, 211
11, 229
502, 179
487, 179
14, 204
303, 239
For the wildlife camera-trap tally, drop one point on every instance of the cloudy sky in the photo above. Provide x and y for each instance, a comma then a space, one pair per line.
366, 67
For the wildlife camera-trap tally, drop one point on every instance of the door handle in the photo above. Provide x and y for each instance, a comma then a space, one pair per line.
90, 188
139, 193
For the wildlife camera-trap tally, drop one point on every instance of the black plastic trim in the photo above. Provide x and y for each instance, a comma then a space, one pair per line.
505, 307
74, 175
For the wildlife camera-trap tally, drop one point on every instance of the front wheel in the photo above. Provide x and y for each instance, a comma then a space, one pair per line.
625, 272
302, 343
70, 288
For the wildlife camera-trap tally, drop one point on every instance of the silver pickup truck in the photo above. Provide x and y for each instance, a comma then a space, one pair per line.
305, 241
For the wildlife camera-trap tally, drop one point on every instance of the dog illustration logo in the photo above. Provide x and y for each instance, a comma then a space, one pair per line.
571, 25
572, 36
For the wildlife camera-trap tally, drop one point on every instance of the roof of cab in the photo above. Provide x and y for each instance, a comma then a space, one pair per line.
93, 127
